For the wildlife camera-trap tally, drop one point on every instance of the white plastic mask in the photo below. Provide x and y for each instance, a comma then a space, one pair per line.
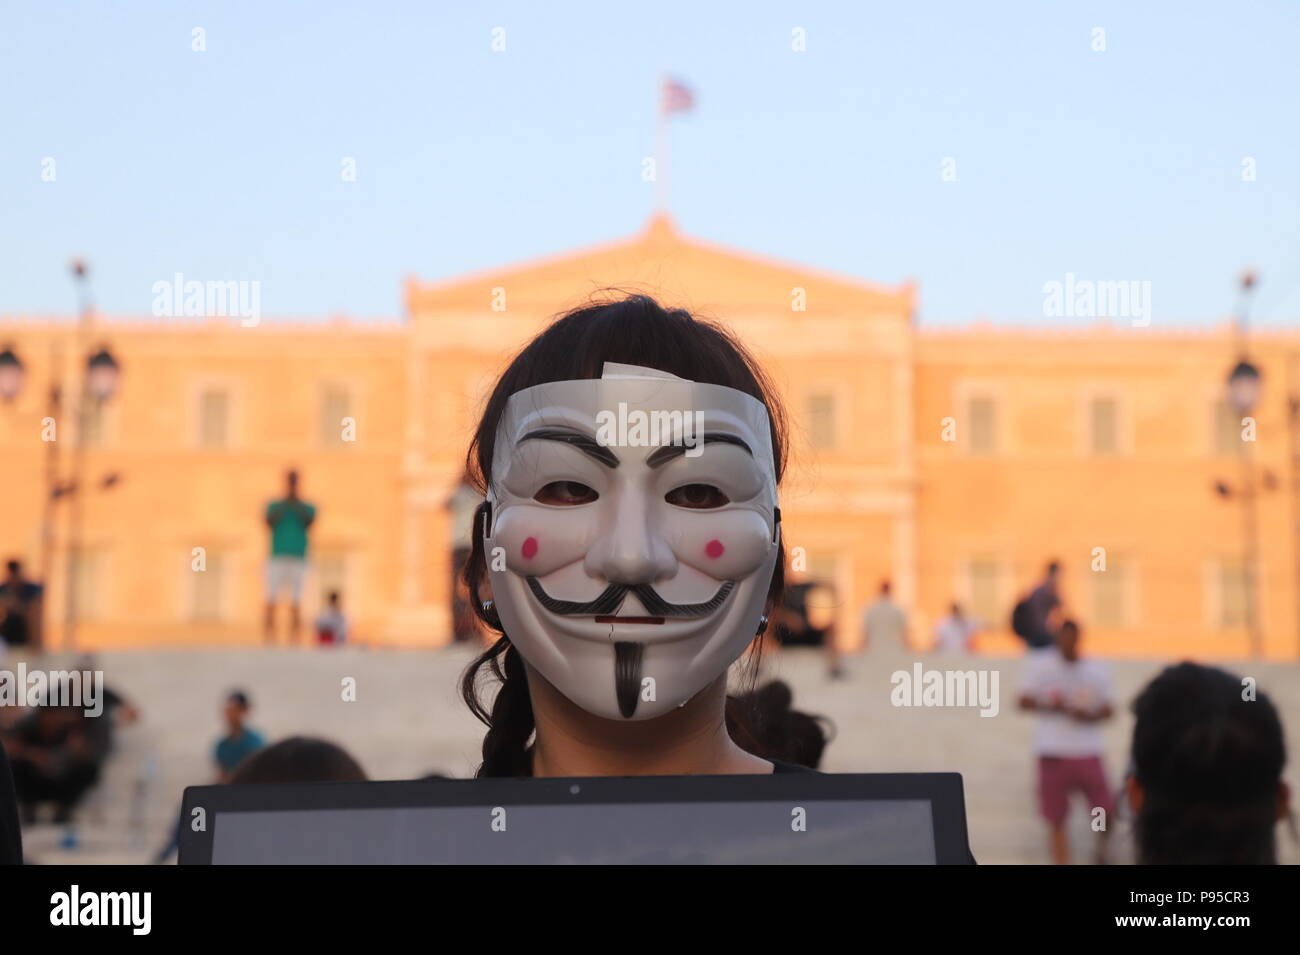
632, 534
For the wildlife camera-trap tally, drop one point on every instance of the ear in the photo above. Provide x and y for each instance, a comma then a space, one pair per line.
1283, 799
1135, 794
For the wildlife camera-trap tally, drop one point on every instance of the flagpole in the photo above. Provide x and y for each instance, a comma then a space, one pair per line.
661, 150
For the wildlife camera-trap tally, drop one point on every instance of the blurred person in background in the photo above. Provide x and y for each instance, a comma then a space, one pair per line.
117, 712
21, 603
955, 633
299, 759
229, 753
805, 617
54, 758
1206, 779
331, 624
11, 834
1036, 616
884, 623
1072, 697
289, 518
240, 740
778, 730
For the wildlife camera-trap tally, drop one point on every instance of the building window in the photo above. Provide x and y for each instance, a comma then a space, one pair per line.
1232, 592
1111, 594
823, 566
984, 584
822, 598
821, 420
336, 405
88, 584
92, 423
982, 424
331, 567
207, 595
1103, 426
1227, 428
214, 418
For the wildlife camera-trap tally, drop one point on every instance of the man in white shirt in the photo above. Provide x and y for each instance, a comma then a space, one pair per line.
955, 632
884, 622
1072, 697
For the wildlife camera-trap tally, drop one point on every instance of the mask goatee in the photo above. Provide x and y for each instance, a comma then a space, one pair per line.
627, 676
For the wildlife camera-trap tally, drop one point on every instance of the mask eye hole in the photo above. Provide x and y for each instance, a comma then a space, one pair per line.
698, 497
565, 494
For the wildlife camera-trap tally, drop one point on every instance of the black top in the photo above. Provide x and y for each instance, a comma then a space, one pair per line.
13, 621
11, 839
780, 767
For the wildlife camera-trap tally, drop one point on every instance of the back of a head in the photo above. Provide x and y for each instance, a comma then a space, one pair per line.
1209, 764
299, 759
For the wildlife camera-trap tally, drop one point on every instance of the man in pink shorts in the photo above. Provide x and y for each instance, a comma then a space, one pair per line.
1072, 697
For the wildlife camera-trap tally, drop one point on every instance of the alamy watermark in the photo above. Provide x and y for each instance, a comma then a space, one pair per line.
177, 298
945, 688
1086, 298
83, 689
650, 429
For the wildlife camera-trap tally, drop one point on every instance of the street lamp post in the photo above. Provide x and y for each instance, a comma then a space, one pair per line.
1243, 396
97, 385
1244, 388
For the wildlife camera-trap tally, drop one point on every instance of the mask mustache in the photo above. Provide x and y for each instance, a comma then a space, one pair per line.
612, 597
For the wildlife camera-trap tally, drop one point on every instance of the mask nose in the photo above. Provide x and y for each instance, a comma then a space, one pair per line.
629, 550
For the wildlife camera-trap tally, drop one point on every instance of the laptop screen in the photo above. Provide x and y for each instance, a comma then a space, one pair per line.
907, 819
680, 833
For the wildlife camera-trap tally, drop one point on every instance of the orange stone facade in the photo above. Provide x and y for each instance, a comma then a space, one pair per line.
954, 462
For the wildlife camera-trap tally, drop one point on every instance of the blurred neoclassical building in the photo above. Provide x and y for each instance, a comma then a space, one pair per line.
954, 462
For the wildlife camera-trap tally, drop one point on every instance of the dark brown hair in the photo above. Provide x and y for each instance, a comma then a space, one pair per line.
783, 733
299, 759
1209, 762
634, 330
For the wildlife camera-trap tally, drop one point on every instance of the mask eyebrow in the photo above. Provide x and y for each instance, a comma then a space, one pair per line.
583, 442
669, 451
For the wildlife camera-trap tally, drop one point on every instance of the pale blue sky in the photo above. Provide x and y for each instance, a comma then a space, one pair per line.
1124, 164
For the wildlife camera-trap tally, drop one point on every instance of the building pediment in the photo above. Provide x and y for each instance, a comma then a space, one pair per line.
678, 270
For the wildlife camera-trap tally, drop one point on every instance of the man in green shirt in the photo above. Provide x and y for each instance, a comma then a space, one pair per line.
289, 518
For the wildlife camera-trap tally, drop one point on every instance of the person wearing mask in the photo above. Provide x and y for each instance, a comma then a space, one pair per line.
604, 557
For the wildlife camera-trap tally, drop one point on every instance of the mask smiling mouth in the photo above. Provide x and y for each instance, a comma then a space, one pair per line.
611, 598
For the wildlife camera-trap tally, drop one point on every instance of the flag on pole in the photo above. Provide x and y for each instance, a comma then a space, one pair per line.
677, 97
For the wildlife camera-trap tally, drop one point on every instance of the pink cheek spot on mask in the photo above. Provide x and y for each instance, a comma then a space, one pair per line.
714, 549
529, 550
